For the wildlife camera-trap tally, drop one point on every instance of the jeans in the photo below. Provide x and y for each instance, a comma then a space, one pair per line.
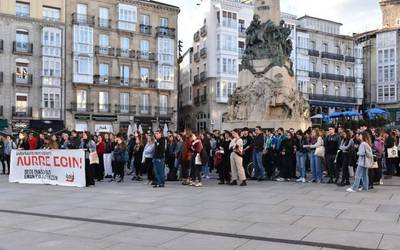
301, 163
206, 170
361, 174
159, 170
259, 168
315, 163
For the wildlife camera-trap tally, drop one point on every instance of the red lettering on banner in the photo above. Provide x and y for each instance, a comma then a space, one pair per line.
27, 161
56, 161
20, 161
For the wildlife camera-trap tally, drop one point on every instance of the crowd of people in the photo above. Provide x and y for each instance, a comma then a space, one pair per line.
334, 156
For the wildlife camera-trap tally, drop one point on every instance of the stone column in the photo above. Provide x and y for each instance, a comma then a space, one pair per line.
268, 10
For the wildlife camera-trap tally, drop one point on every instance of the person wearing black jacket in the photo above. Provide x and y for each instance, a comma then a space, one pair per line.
332, 144
159, 159
225, 166
258, 148
247, 149
75, 141
110, 145
390, 142
288, 169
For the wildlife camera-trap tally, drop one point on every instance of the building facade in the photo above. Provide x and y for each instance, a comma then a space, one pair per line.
121, 64
390, 13
31, 65
329, 67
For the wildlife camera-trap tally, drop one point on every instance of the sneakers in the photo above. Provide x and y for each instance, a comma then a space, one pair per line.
302, 180
350, 190
198, 184
280, 179
234, 183
243, 184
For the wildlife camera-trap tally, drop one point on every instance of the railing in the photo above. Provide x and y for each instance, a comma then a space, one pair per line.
146, 55
203, 76
1, 46
196, 36
164, 111
196, 79
165, 31
118, 81
148, 84
25, 80
125, 109
350, 79
332, 56
312, 74
204, 98
312, 52
82, 107
203, 53
242, 31
22, 48
333, 77
104, 23
145, 110
203, 31
99, 79
349, 59
331, 98
145, 29
104, 108
22, 112
127, 53
196, 57
51, 113
81, 19
105, 51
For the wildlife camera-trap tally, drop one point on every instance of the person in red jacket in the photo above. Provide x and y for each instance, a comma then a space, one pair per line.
32, 142
197, 148
186, 157
100, 149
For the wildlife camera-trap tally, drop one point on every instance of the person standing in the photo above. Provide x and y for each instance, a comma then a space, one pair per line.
159, 159
197, 148
258, 147
270, 154
287, 156
89, 146
9, 145
236, 158
186, 157
316, 142
224, 167
137, 158
390, 142
120, 158
100, 149
147, 158
346, 146
332, 144
207, 147
301, 154
247, 149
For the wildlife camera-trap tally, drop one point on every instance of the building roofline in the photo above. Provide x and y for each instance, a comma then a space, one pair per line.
161, 3
321, 19
299, 28
376, 31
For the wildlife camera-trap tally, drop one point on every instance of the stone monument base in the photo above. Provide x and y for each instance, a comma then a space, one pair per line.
274, 124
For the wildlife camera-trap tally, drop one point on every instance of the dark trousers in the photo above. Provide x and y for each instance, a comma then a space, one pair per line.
148, 165
3, 163
390, 166
333, 172
345, 167
247, 158
223, 170
170, 161
7, 158
89, 172
287, 166
197, 173
185, 169
138, 166
270, 163
119, 167
99, 169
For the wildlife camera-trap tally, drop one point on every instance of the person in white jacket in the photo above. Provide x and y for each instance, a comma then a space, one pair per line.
236, 158
315, 160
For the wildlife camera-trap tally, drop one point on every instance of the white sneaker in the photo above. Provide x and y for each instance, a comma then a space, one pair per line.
280, 179
198, 184
299, 180
303, 180
381, 182
192, 183
350, 190
360, 189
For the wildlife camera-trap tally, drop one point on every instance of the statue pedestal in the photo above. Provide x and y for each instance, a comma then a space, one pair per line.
273, 124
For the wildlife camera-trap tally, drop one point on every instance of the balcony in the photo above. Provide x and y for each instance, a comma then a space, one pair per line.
82, 107
1, 46
203, 53
196, 79
24, 81
125, 26
197, 101
145, 110
312, 52
146, 84
145, 29
101, 80
22, 48
333, 77
104, 23
242, 31
21, 113
50, 113
203, 31
122, 82
350, 59
312, 74
104, 108
125, 109
196, 57
145, 55
331, 98
164, 111
332, 56
350, 79
196, 37
165, 31
203, 99
80, 19
104, 51
126, 53
203, 76
222, 99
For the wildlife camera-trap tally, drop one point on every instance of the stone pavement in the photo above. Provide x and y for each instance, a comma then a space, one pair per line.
267, 215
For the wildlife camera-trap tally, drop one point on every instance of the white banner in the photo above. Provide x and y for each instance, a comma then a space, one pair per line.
54, 167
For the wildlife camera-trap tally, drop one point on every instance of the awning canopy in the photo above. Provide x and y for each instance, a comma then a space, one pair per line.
331, 104
41, 125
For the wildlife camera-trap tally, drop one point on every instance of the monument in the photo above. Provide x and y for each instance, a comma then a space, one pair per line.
267, 94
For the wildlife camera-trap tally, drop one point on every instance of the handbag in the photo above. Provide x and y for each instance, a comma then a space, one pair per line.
93, 158
393, 152
320, 151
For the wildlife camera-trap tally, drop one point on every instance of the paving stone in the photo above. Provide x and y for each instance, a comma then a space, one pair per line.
391, 242
379, 226
375, 216
262, 245
224, 226
268, 218
327, 223
92, 230
277, 231
353, 206
318, 211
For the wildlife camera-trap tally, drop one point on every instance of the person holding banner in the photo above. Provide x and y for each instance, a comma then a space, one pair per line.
8, 146
89, 146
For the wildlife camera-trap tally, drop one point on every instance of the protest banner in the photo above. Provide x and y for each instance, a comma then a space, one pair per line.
54, 167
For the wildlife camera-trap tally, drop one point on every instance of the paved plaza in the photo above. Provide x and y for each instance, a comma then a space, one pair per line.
266, 215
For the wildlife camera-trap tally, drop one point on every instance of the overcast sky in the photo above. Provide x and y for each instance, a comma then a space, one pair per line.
356, 15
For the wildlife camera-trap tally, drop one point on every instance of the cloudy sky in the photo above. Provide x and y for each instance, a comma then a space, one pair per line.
356, 15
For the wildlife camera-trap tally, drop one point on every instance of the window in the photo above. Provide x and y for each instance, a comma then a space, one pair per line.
337, 91
127, 17
313, 45
337, 50
325, 68
125, 74
387, 93
166, 50
349, 71
104, 43
81, 99
51, 100
22, 9
51, 14
145, 19
392, 56
83, 65
386, 56
51, 67
81, 9
21, 103
104, 18
224, 65
337, 70
144, 104
349, 92
144, 75
218, 89
51, 41
312, 89
103, 70
380, 74
348, 52
124, 102
163, 22
325, 90
325, 47
392, 73
22, 40
380, 56
163, 105
144, 49
386, 73
103, 102
313, 67
21, 71
83, 39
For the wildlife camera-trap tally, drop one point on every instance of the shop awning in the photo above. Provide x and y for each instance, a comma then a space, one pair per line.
41, 125
331, 104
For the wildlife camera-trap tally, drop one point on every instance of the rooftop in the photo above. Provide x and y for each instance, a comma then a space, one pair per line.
319, 19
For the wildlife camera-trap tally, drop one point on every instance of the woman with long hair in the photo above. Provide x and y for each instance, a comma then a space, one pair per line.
137, 157
236, 158
346, 146
197, 148
364, 154
100, 149
89, 146
53, 143
120, 158
147, 158
317, 141
186, 156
